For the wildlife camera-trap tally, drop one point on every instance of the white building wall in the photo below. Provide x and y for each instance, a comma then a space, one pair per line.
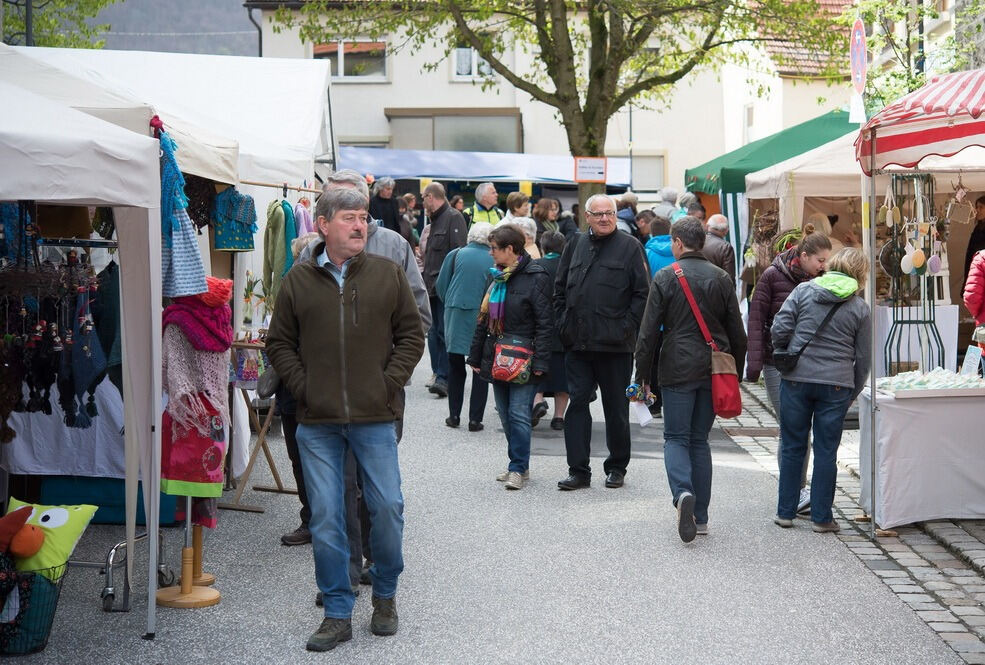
704, 116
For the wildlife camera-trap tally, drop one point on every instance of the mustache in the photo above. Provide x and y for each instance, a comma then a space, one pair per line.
357, 234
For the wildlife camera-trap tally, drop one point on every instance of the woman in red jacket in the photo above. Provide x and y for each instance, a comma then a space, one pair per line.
797, 264
974, 295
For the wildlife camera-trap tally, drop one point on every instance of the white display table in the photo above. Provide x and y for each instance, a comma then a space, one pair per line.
930, 459
946, 319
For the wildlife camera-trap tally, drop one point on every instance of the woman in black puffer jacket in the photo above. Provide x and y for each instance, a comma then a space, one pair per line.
517, 305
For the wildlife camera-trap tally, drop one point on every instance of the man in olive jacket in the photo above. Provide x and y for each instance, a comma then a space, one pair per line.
684, 371
599, 295
345, 337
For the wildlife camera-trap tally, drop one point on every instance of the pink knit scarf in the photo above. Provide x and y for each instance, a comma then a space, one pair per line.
207, 328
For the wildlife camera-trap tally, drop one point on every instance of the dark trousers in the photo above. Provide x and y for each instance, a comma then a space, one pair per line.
352, 503
436, 340
611, 372
654, 373
456, 389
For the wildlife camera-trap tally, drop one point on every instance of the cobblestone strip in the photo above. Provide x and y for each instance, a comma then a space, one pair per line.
945, 591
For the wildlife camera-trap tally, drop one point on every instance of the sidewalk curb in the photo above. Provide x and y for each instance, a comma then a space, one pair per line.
963, 545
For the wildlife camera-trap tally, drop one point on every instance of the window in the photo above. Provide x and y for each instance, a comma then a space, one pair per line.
463, 129
469, 64
355, 60
648, 173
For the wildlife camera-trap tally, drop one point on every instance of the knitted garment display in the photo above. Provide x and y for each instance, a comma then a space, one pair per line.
191, 463
195, 382
172, 189
302, 220
219, 293
10, 230
206, 328
106, 314
290, 233
182, 271
235, 218
201, 199
273, 252
88, 361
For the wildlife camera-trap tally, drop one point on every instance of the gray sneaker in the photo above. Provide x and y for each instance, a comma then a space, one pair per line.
329, 634
384, 621
782, 522
506, 474
701, 529
825, 527
686, 528
515, 481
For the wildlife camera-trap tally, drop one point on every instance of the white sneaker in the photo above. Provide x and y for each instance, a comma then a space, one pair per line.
804, 504
506, 474
515, 481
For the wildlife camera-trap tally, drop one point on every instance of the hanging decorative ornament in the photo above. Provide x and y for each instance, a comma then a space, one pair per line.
906, 264
918, 258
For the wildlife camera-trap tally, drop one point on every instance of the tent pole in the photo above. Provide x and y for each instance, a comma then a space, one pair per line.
872, 320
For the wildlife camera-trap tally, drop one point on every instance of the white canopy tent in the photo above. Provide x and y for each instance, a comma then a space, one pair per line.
53, 154
276, 108
831, 170
202, 152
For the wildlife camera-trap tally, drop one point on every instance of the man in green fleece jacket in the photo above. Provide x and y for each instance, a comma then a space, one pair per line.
345, 336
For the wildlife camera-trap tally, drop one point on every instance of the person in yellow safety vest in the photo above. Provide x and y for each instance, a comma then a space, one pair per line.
484, 209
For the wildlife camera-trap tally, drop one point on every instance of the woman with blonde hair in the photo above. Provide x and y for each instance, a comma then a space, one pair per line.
821, 339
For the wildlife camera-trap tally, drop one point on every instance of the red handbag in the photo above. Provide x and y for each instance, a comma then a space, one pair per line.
725, 396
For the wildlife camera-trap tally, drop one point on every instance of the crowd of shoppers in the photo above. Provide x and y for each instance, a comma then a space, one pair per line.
538, 310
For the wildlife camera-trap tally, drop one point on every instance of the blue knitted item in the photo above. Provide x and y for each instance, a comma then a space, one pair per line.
172, 189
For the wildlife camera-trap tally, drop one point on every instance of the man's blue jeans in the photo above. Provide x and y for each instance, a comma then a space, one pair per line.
436, 340
826, 406
514, 403
323, 449
688, 417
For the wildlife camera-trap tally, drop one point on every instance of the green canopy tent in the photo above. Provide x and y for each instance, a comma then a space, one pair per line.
725, 176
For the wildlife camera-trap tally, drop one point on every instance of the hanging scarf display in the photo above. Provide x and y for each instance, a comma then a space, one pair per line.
192, 462
290, 233
207, 328
10, 231
172, 189
182, 271
492, 312
201, 199
302, 218
106, 317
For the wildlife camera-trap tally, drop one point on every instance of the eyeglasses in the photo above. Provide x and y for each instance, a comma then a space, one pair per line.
603, 213
495, 248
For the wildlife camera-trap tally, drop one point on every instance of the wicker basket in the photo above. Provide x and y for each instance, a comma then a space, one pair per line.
37, 601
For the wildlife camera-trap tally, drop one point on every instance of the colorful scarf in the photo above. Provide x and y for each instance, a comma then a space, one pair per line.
207, 328
492, 312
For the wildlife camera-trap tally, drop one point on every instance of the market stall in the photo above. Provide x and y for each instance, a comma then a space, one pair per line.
51, 153
724, 176
943, 118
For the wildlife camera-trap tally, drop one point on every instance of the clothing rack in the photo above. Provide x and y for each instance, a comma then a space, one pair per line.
79, 242
282, 186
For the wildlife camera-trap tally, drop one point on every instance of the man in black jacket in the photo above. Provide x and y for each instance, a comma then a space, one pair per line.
684, 372
448, 231
599, 297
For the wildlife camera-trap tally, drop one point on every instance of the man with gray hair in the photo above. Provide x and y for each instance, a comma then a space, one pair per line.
383, 205
484, 209
345, 337
717, 249
668, 203
599, 295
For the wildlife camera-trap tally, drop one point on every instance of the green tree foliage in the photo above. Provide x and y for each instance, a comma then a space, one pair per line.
899, 29
62, 23
590, 58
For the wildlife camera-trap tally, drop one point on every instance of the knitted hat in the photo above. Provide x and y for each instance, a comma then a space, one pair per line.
219, 293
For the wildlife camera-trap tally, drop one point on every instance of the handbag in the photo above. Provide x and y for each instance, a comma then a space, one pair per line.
786, 361
511, 359
725, 396
268, 383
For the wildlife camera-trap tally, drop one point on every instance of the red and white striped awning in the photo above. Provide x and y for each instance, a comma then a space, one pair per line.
942, 118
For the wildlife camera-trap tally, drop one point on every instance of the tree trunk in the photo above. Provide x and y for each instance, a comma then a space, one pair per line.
585, 190
587, 140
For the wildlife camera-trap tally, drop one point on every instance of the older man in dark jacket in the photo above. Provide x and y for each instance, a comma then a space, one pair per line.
717, 248
448, 232
685, 366
599, 297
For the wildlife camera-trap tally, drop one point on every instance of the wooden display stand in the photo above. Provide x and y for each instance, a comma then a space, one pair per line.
260, 445
187, 594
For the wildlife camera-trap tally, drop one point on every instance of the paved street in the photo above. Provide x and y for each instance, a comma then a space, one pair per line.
534, 576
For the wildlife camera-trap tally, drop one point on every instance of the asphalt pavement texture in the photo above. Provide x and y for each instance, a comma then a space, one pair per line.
537, 575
